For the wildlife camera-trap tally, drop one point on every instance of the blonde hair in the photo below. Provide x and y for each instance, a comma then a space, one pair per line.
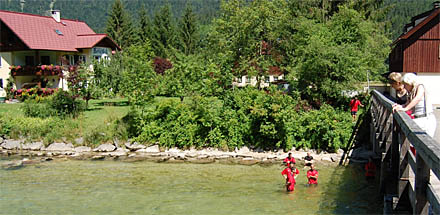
395, 77
410, 79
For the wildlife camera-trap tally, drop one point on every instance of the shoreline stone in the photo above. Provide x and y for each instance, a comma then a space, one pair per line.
138, 152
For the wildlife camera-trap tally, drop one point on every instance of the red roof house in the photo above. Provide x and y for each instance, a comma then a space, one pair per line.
30, 42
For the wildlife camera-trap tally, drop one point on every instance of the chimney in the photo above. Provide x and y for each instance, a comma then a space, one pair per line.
56, 15
436, 4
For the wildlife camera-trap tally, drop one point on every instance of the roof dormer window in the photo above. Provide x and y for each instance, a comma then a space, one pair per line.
59, 32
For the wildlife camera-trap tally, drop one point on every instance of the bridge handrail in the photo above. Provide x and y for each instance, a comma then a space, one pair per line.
404, 132
428, 148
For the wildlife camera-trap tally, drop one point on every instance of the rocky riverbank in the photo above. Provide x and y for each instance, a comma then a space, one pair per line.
138, 152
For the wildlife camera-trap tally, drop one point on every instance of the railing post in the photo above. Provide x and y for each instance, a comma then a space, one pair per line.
395, 157
422, 180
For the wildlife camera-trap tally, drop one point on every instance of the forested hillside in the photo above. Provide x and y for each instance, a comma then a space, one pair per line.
94, 13
401, 11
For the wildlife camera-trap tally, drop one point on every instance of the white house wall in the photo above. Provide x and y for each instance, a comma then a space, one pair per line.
432, 83
253, 81
6, 62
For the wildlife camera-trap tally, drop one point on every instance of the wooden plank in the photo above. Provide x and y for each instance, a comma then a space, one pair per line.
422, 181
434, 199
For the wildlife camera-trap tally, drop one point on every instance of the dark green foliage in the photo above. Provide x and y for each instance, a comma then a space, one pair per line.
120, 27
145, 26
65, 105
400, 13
188, 31
164, 32
61, 104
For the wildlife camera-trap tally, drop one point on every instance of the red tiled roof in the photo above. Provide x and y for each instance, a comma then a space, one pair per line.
39, 32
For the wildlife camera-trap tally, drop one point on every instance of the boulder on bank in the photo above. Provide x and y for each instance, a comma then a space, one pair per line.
105, 148
134, 146
11, 144
32, 146
60, 147
81, 149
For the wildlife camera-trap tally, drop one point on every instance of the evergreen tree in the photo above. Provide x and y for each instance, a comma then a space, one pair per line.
145, 30
163, 36
188, 31
120, 27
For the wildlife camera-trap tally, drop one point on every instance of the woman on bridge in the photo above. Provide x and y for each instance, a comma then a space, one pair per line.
419, 103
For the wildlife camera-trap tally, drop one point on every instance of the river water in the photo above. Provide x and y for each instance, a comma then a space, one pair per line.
117, 187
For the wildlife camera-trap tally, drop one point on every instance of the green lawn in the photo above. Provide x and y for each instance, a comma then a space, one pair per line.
94, 125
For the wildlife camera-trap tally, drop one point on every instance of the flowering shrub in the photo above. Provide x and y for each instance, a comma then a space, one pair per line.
33, 93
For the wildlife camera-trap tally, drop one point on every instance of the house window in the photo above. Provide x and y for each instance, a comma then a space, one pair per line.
248, 79
82, 59
59, 32
30, 61
45, 60
267, 79
1, 83
240, 80
275, 78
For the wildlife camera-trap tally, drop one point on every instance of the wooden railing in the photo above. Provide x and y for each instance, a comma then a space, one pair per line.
410, 176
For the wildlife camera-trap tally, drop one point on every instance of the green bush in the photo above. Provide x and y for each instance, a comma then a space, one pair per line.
41, 109
251, 117
66, 105
61, 104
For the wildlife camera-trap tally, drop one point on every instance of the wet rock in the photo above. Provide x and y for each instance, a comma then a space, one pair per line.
248, 161
150, 149
98, 157
12, 165
119, 152
27, 161
32, 146
243, 150
47, 159
173, 150
174, 160
223, 157
134, 146
105, 148
81, 149
11, 144
191, 154
60, 147
201, 160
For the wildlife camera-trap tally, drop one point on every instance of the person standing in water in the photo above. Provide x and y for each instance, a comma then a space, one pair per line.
290, 173
312, 175
289, 159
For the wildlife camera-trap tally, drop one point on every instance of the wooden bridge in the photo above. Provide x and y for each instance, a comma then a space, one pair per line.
409, 178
